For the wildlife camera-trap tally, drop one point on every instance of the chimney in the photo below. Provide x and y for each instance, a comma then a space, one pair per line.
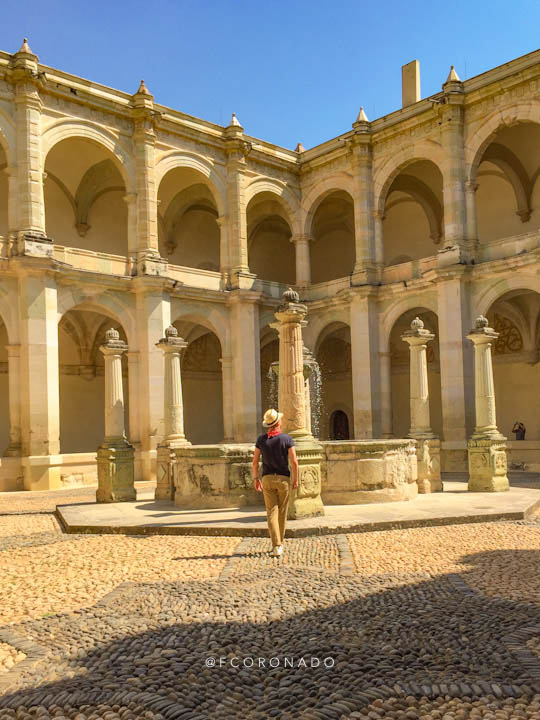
410, 83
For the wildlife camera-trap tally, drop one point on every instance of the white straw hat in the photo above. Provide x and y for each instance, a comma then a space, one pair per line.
271, 417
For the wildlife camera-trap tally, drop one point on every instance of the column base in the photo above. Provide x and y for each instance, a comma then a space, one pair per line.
428, 455
34, 244
116, 472
487, 464
165, 474
13, 450
306, 500
366, 275
151, 263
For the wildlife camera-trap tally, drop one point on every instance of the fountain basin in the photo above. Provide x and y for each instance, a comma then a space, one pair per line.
352, 472
369, 471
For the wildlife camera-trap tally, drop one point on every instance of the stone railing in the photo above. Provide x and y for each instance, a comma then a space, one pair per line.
408, 270
506, 247
195, 277
98, 262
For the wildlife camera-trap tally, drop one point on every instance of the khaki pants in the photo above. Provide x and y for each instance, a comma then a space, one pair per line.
276, 498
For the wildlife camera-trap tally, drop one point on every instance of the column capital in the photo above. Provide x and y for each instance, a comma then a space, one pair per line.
113, 345
172, 342
417, 335
481, 334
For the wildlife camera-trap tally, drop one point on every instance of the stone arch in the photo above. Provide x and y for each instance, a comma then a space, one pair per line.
81, 331
287, 197
484, 299
399, 361
333, 354
395, 311
320, 191
67, 128
214, 319
477, 143
7, 137
107, 304
385, 173
183, 159
313, 332
271, 254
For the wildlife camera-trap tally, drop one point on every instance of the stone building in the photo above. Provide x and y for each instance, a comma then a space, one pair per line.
118, 212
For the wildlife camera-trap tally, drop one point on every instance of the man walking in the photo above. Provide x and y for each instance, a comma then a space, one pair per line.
277, 450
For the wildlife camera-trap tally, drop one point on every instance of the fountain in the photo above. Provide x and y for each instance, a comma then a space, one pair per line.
294, 376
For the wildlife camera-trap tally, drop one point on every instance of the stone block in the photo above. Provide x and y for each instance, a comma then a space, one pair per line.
116, 475
487, 464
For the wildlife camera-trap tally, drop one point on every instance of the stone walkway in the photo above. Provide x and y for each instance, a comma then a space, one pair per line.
440, 623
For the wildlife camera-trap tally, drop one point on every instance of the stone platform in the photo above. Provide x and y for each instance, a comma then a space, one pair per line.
454, 506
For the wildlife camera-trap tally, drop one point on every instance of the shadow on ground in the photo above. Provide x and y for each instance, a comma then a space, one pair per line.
145, 647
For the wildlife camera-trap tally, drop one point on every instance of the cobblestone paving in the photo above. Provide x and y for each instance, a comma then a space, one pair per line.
440, 623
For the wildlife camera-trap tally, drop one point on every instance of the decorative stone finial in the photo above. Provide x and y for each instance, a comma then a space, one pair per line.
25, 48
112, 335
481, 322
362, 117
299, 148
291, 296
171, 332
417, 324
143, 90
234, 120
452, 75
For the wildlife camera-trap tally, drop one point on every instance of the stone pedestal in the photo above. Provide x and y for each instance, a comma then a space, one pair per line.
306, 499
428, 447
486, 448
115, 456
173, 412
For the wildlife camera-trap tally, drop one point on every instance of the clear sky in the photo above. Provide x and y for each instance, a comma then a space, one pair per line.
294, 70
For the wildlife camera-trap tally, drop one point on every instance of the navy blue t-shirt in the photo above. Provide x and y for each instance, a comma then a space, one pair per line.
275, 453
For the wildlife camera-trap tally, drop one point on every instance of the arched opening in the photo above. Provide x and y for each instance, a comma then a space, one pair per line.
4, 388
82, 379
333, 354
271, 254
413, 213
189, 233
516, 317
4, 191
84, 197
202, 385
332, 246
269, 354
400, 373
508, 190
339, 426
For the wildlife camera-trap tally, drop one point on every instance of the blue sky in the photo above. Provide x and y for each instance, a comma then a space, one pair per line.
291, 70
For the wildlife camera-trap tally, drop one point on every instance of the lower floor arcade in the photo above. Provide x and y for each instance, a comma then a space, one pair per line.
52, 385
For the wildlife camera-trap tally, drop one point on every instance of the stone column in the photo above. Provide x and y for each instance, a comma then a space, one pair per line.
39, 379
303, 260
14, 382
131, 201
133, 357
115, 456
472, 227
224, 261
365, 365
153, 316
227, 376
364, 230
32, 239
245, 338
306, 500
237, 150
453, 171
11, 173
173, 411
456, 369
428, 449
486, 448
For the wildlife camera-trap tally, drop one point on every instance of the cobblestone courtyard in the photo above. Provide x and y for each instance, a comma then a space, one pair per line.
437, 622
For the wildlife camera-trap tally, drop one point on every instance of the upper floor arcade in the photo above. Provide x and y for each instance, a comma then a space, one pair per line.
117, 184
